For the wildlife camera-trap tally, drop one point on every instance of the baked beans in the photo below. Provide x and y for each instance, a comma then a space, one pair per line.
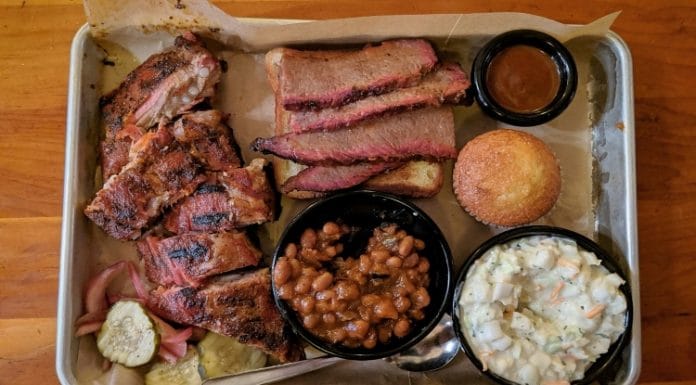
355, 300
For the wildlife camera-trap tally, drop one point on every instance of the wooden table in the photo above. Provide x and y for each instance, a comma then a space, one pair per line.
35, 40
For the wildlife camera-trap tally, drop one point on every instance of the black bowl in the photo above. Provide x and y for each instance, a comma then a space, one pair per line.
604, 361
367, 210
552, 47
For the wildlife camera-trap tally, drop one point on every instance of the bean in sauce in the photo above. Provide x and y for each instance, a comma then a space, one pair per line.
355, 300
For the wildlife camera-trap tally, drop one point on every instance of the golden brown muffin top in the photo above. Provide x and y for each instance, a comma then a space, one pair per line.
507, 178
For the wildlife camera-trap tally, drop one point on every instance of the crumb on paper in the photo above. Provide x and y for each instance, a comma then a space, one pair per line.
620, 125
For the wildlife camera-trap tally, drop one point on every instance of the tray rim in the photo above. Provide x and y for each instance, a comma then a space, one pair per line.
626, 62
64, 325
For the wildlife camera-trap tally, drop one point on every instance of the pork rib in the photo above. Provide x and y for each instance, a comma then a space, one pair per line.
446, 85
161, 171
208, 139
426, 133
165, 85
332, 178
318, 79
242, 309
233, 199
189, 259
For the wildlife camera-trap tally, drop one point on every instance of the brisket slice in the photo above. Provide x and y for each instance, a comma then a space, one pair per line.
425, 133
165, 85
447, 84
242, 309
233, 199
332, 178
188, 259
160, 173
318, 79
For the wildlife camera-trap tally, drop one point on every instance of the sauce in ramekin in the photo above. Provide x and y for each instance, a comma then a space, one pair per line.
523, 79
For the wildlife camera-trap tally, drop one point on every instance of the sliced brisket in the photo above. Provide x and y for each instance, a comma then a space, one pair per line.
165, 85
331, 178
447, 84
425, 133
318, 79
233, 199
242, 309
188, 259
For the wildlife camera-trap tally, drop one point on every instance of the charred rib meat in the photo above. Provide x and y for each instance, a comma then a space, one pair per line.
160, 173
165, 85
233, 199
188, 259
242, 309
208, 139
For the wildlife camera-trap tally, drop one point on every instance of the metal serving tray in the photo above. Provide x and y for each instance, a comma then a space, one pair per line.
611, 95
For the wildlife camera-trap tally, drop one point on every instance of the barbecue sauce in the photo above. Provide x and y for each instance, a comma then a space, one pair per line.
523, 79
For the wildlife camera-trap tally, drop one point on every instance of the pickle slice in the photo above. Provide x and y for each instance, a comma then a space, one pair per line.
128, 335
222, 355
184, 372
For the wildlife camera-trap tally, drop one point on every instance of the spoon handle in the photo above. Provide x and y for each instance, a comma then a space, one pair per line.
273, 373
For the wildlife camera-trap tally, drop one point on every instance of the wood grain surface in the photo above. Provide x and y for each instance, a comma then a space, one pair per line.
35, 41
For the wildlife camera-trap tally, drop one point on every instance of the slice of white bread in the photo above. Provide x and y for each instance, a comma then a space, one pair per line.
416, 179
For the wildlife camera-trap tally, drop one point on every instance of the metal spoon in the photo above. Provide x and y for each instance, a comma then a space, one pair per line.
435, 351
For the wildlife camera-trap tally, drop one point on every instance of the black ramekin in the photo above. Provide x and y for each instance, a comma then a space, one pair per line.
604, 361
366, 210
556, 50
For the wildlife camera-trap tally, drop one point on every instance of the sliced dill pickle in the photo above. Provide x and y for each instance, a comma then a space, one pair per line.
184, 372
128, 335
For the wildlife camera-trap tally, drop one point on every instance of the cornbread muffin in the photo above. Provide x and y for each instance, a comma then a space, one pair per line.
506, 178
